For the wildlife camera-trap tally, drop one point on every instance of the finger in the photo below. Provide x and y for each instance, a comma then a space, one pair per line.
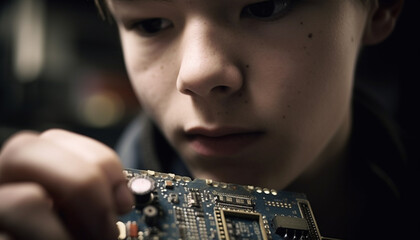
4, 236
26, 213
99, 154
80, 189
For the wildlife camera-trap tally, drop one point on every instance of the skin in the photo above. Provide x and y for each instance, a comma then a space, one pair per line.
284, 84
60, 185
289, 79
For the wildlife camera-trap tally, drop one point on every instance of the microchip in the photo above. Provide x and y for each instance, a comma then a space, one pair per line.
194, 199
291, 227
234, 201
240, 224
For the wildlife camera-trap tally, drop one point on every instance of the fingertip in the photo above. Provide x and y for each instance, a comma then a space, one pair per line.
19, 138
124, 199
4, 236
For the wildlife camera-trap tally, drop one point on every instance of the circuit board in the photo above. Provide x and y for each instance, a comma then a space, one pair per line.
172, 207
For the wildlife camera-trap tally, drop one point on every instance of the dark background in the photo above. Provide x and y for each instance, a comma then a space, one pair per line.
82, 85
390, 71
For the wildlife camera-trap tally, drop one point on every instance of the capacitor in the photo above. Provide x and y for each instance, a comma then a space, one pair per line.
142, 187
151, 214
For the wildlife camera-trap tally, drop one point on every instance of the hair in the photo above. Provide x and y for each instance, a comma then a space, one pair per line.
103, 9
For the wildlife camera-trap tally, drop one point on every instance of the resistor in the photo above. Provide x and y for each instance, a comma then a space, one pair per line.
134, 230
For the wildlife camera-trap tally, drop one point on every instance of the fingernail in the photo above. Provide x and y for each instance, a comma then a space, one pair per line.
124, 198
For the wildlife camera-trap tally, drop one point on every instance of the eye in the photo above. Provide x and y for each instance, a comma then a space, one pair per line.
266, 10
151, 26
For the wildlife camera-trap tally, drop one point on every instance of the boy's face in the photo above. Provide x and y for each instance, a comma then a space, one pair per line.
246, 91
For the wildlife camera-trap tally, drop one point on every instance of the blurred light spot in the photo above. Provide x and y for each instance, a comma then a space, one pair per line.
103, 109
29, 55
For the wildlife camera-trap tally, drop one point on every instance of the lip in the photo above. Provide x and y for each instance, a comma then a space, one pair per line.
221, 142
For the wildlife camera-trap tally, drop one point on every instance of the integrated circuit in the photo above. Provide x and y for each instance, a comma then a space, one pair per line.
172, 207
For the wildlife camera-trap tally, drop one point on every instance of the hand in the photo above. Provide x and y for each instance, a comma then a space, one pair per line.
60, 185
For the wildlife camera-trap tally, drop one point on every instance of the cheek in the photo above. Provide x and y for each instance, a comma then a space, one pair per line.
314, 75
305, 81
153, 92
151, 75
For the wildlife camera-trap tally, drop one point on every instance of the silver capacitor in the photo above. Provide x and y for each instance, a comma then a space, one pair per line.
142, 188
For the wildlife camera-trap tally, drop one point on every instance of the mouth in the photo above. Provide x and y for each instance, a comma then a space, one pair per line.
221, 142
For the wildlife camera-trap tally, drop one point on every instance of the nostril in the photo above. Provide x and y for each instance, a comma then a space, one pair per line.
217, 79
217, 89
221, 89
187, 92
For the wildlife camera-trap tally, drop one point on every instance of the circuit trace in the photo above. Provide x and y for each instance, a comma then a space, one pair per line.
172, 207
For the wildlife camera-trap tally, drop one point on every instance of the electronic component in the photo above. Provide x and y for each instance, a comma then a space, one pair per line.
142, 188
172, 207
291, 227
151, 215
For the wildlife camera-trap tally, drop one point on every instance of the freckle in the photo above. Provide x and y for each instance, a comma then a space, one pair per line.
299, 92
284, 116
162, 67
301, 23
310, 35
288, 106
352, 39
304, 47
247, 66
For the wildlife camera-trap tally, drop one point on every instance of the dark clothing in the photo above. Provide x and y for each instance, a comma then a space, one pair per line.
376, 169
142, 146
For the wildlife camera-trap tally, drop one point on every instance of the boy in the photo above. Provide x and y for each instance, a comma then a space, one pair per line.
250, 92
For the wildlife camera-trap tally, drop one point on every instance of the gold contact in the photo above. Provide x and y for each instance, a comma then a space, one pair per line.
222, 213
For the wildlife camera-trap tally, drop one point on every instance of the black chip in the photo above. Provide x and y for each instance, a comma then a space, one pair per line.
290, 226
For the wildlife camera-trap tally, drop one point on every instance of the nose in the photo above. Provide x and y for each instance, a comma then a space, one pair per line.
208, 65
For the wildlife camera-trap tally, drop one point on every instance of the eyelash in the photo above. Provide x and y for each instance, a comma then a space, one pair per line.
269, 10
147, 27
